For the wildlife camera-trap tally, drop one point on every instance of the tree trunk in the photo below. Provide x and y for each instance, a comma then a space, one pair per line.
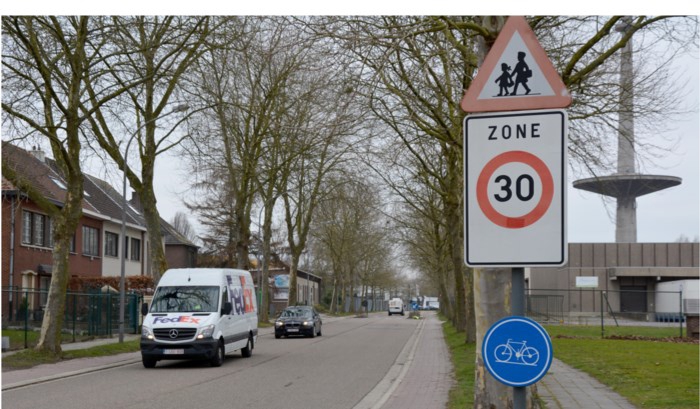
64, 229
156, 249
293, 299
267, 237
491, 288
52, 324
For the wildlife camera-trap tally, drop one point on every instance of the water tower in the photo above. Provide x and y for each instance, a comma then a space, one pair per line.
626, 185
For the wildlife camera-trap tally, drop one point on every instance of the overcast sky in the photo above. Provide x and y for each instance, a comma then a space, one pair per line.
663, 216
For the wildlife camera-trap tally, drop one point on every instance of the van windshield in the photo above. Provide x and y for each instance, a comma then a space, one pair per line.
185, 299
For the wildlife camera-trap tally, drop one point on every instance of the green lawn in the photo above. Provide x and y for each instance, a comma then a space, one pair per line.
594, 331
17, 338
649, 373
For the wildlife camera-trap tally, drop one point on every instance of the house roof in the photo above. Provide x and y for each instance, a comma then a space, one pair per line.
39, 174
100, 197
109, 202
173, 237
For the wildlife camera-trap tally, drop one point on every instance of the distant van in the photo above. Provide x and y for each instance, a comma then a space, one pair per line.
200, 313
395, 306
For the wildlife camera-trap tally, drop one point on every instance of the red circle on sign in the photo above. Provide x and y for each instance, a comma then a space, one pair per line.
545, 199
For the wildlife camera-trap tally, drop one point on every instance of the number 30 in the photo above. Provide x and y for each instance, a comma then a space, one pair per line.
524, 188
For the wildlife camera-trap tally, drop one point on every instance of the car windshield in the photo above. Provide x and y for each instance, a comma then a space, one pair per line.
185, 299
295, 313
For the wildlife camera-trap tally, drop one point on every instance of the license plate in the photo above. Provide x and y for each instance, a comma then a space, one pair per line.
293, 330
174, 351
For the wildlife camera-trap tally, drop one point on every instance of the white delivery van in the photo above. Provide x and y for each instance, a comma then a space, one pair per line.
200, 313
395, 306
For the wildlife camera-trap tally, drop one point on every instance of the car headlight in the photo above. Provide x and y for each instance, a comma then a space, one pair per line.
308, 323
146, 332
206, 332
279, 323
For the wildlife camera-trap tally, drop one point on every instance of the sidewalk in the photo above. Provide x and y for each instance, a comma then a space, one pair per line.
71, 367
564, 387
429, 379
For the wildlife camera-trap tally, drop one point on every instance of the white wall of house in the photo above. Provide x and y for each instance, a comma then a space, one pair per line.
111, 264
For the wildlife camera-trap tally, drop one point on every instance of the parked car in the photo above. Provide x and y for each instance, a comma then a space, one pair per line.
298, 320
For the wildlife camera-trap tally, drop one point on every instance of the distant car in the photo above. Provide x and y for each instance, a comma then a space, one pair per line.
395, 306
298, 320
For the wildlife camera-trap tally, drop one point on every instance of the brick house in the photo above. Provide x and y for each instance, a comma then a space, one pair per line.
97, 247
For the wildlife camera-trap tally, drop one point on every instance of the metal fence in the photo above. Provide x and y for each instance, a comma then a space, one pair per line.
93, 313
606, 308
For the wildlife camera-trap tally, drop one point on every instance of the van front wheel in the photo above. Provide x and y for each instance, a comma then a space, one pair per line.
218, 358
148, 362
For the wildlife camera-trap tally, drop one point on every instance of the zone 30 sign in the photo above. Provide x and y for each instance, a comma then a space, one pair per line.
515, 188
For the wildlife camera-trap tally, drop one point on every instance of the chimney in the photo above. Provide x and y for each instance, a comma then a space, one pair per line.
135, 201
38, 153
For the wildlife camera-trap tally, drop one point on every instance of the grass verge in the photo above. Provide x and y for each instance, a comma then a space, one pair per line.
30, 357
650, 373
462, 356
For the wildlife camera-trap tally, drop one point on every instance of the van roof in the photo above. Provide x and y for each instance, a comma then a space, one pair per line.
198, 276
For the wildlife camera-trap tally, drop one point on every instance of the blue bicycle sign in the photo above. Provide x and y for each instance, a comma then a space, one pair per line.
517, 351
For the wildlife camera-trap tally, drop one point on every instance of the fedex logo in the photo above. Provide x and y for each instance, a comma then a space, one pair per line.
241, 298
183, 318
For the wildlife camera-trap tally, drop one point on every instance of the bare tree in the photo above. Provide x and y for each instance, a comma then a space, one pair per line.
183, 226
48, 66
351, 235
157, 52
244, 86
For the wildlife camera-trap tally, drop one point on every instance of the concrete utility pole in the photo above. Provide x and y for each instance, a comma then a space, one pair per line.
626, 185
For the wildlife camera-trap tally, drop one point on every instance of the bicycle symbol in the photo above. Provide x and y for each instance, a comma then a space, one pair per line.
524, 355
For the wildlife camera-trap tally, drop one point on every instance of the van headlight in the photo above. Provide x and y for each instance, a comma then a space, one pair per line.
206, 332
146, 332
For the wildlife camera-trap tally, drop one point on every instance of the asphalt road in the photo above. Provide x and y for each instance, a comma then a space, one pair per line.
336, 370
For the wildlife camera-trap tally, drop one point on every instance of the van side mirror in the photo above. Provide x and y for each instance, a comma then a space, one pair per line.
226, 310
144, 308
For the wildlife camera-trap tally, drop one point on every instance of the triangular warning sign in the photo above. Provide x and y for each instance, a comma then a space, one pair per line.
516, 75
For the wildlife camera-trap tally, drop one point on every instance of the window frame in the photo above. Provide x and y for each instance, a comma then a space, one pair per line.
37, 229
135, 251
91, 241
111, 244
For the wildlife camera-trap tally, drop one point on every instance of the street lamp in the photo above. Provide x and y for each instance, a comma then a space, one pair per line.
122, 292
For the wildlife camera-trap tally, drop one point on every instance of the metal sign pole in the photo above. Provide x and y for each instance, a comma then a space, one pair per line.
517, 302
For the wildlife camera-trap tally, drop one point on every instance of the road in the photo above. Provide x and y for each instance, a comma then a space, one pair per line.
342, 369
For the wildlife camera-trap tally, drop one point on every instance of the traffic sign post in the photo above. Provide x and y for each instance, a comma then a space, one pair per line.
515, 189
517, 351
515, 192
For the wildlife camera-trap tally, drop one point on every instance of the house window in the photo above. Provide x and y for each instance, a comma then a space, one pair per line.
136, 249
91, 241
36, 229
111, 244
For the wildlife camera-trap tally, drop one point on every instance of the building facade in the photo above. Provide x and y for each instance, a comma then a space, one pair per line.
623, 278
97, 248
